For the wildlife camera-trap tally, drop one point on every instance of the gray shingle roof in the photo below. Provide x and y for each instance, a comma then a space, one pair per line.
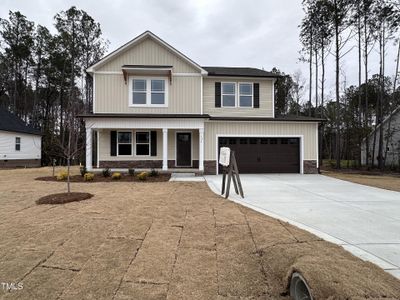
239, 72
10, 122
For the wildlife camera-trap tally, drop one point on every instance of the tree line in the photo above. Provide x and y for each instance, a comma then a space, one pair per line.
329, 31
43, 78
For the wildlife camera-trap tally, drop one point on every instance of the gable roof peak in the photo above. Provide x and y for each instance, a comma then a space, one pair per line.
136, 40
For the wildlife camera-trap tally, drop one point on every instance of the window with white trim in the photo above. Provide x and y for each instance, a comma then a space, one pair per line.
245, 94
157, 91
17, 143
139, 91
228, 93
149, 92
124, 143
142, 143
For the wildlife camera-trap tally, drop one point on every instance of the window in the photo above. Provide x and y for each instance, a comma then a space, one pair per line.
253, 141
228, 94
246, 95
124, 143
148, 92
157, 91
223, 141
143, 143
17, 144
139, 91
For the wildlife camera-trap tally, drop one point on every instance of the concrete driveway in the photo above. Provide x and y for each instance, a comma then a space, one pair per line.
363, 219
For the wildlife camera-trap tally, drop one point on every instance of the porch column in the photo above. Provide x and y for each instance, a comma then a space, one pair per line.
201, 149
89, 150
165, 149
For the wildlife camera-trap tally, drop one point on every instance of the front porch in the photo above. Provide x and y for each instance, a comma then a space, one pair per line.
145, 144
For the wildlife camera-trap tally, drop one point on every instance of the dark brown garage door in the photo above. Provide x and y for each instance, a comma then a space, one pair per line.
264, 155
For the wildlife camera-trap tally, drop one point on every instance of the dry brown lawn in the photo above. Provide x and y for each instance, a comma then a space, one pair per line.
387, 182
166, 240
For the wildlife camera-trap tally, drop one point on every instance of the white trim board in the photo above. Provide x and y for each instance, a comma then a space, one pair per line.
173, 74
145, 123
301, 137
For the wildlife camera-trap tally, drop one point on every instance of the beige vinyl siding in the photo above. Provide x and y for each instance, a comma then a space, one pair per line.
308, 130
266, 97
148, 52
112, 96
105, 148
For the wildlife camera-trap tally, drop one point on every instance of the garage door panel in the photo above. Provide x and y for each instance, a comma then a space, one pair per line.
265, 155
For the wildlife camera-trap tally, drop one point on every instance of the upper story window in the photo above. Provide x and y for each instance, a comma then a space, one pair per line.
237, 94
149, 92
228, 94
17, 144
245, 94
157, 91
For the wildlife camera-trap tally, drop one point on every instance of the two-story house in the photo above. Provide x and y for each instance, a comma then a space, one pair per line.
153, 107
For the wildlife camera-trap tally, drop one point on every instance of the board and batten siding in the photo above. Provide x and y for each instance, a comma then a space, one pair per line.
308, 130
148, 52
266, 96
105, 153
112, 96
30, 146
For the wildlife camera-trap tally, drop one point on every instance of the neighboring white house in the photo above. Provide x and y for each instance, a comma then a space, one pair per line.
391, 142
20, 144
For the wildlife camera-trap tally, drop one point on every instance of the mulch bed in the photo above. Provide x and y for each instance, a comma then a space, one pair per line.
62, 198
101, 178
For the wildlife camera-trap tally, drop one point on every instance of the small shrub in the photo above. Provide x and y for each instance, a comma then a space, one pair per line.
153, 173
143, 176
131, 171
106, 172
116, 176
88, 176
83, 171
62, 175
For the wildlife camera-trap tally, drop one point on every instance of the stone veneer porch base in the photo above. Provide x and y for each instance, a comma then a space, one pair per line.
139, 164
142, 164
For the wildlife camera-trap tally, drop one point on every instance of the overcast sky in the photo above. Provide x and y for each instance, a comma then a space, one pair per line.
255, 33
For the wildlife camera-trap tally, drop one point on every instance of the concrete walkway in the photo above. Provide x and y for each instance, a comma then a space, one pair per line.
364, 220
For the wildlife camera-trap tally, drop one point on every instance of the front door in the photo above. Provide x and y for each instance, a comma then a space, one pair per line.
183, 149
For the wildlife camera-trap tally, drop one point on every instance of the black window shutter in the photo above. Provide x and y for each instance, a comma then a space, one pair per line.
218, 94
153, 141
256, 88
113, 143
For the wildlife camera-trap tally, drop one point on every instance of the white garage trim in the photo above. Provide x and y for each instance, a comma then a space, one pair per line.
301, 137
